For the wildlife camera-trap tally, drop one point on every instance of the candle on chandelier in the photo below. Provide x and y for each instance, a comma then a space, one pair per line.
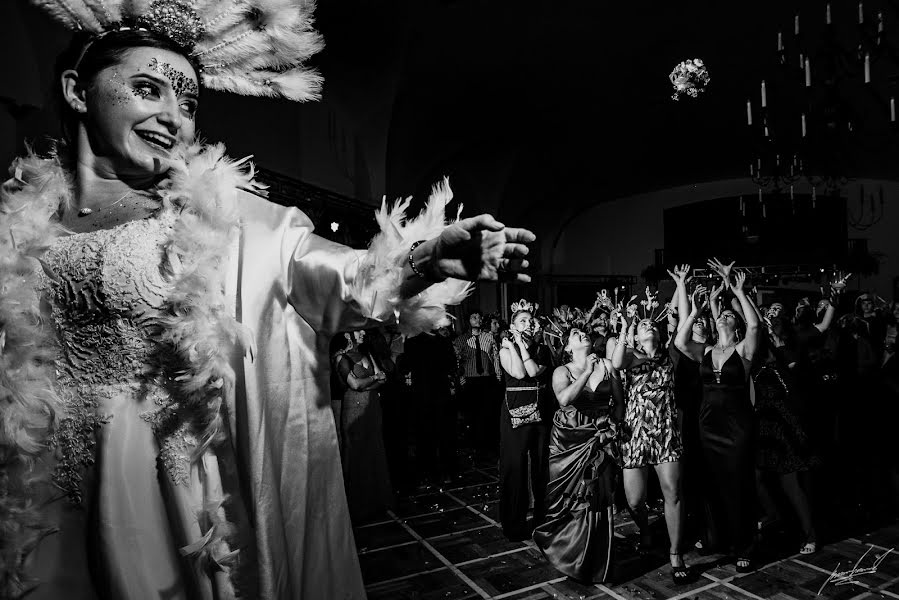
764, 95
879, 21
803, 124
780, 41
791, 191
758, 165
751, 170
814, 196
749, 112
760, 197
764, 212
827, 13
808, 73
892, 109
867, 67
796, 24
861, 13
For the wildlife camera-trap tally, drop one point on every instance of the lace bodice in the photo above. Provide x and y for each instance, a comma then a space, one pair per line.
105, 290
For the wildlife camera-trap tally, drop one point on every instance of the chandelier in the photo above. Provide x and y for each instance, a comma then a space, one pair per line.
828, 98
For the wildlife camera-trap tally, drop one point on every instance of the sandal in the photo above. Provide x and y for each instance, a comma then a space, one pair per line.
744, 565
680, 575
809, 548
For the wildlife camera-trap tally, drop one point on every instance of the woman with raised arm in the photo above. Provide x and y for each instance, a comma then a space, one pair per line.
651, 439
688, 397
165, 425
578, 533
726, 419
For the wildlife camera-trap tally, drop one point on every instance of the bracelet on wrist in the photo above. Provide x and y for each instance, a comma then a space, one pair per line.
412, 260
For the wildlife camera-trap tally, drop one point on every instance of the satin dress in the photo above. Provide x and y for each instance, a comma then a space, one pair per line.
128, 491
727, 435
577, 535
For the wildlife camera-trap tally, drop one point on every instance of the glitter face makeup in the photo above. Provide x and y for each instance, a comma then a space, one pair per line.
181, 83
139, 110
119, 90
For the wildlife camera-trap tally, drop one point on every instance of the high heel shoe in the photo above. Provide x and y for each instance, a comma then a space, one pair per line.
809, 548
680, 575
744, 565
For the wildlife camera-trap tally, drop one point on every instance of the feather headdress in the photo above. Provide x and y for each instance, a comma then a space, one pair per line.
249, 47
564, 318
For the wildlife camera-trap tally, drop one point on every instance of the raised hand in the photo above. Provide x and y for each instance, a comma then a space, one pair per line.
481, 248
716, 292
722, 269
698, 300
839, 282
680, 273
739, 281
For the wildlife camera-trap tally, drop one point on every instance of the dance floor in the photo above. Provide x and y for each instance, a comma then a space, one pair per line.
445, 543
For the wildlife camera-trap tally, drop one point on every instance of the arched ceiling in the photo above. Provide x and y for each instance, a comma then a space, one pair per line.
541, 108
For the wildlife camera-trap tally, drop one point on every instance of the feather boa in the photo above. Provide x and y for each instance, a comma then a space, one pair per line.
202, 187
28, 404
381, 272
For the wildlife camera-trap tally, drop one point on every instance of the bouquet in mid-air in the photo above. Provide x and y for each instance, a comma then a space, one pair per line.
689, 77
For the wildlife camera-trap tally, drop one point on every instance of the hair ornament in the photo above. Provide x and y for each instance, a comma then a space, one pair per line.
649, 305
524, 305
248, 47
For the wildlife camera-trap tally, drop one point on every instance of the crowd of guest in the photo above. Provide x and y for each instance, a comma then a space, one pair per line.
755, 419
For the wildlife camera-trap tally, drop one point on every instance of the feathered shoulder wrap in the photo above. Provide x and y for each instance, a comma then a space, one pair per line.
202, 188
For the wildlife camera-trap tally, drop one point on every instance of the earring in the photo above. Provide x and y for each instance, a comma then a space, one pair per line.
80, 107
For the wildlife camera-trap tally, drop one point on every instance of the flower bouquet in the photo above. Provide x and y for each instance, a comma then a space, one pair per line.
689, 77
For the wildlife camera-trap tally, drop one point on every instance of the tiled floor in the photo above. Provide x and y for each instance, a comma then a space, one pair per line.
445, 543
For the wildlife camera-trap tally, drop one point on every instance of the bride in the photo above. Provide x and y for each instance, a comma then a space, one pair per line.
165, 428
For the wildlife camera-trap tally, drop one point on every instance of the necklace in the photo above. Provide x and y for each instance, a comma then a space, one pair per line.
87, 211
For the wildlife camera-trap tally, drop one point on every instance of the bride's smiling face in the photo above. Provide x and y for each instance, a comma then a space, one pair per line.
138, 110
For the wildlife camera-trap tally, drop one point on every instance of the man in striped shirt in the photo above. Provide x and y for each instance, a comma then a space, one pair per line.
481, 392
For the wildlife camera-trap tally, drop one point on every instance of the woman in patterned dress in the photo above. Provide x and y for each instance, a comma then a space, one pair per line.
651, 437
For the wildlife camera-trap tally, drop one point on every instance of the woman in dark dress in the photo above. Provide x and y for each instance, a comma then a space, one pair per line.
583, 464
726, 418
523, 430
364, 459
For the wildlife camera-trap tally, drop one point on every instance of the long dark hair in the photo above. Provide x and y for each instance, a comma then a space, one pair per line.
89, 54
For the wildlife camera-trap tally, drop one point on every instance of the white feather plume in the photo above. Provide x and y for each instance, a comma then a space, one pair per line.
250, 47
380, 276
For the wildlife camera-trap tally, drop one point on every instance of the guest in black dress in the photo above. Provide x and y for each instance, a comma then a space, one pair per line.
583, 465
688, 398
726, 419
524, 432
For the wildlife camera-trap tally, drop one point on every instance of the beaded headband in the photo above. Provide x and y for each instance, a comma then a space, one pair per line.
249, 47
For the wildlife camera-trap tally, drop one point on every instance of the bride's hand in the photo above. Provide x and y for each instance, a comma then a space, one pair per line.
481, 248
